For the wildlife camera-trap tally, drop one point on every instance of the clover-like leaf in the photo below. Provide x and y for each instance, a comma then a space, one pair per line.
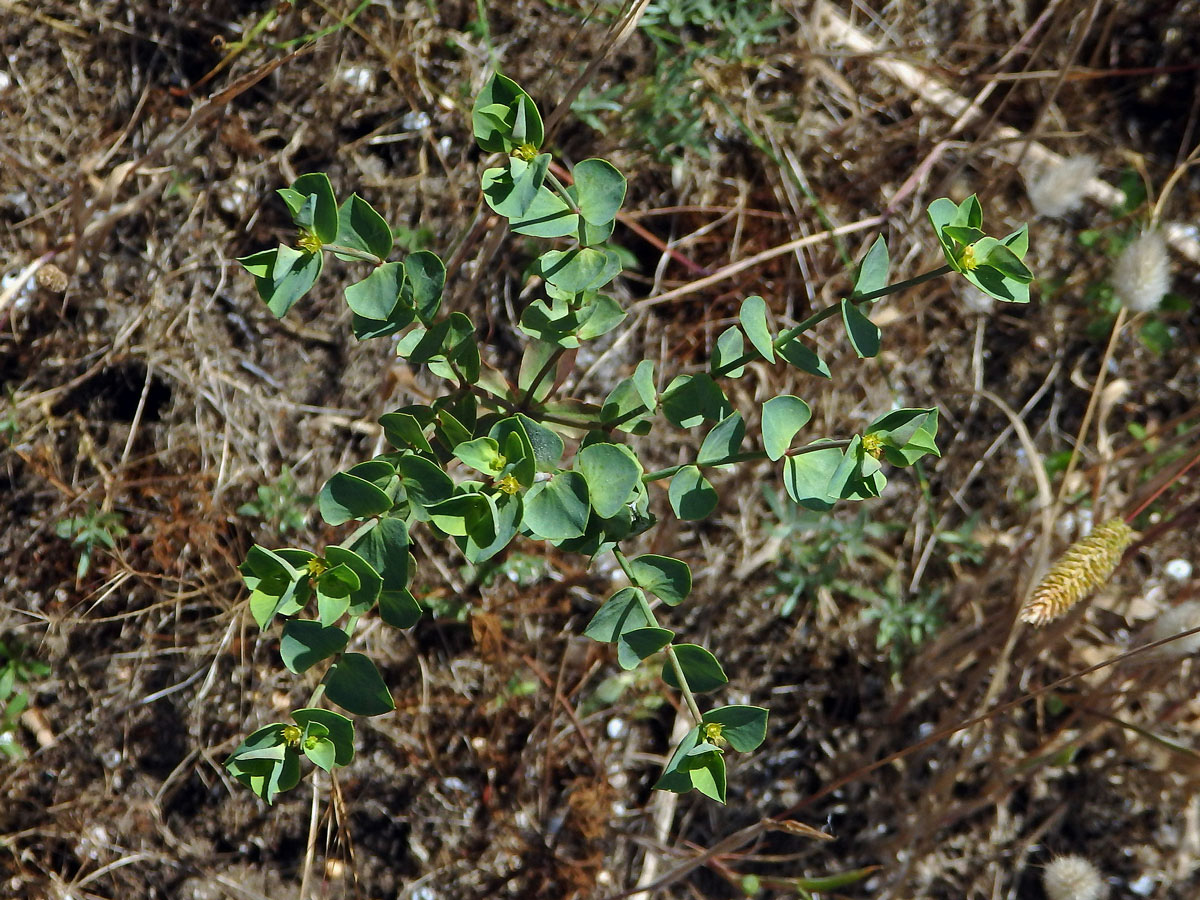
354, 684
599, 189
700, 668
692, 496
611, 472
667, 578
361, 227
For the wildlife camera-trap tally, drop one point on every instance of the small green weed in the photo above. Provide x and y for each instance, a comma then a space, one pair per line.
279, 504
17, 668
666, 110
95, 528
905, 623
817, 549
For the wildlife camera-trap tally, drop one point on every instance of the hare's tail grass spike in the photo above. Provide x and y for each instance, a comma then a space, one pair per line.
1086, 565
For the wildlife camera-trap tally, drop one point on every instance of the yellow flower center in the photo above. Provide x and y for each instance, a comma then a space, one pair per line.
967, 258
872, 445
291, 734
713, 732
316, 566
308, 241
508, 484
526, 152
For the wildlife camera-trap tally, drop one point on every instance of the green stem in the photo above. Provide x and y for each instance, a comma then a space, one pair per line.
353, 252
743, 457
545, 370
689, 698
821, 315
562, 191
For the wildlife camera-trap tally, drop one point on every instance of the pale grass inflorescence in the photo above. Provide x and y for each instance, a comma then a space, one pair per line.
1060, 188
1086, 565
1143, 273
1073, 878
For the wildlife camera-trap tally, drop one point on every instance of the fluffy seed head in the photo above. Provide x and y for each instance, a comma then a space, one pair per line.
1143, 273
1086, 565
1073, 878
1060, 188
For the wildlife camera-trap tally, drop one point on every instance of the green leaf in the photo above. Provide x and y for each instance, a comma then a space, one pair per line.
963, 234
667, 578
264, 763
492, 536
504, 117
723, 441
354, 684
306, 643
600, 190
511, 189
598, 316
691, 495
674, 778
579, 269
708, 774
321, 753
999, 257
782, 418
873, 270
273, 581
325, 209
611, 472
333, 588
745, 727
555, 323
517, 446
690, 399
345, 497
970, 213
807, 476
623, 611
459, 515
941, 213
287, 275
803, 359
1018, 241
399, 609
593, 235
643, 383
557, 509
403, 430
546, 445
548, 216
730, 347
376, 296
700, 668
482, 455
858, 474
753, 318
424, 484
907, 434
427, 278
361, 227
362, 597
385, 549
863, 333
636, 644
